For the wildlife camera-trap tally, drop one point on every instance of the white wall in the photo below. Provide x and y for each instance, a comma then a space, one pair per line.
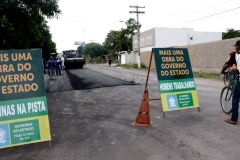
145, 49
128, 58
203, 37
136, 56
167, 37
123, 58
132, 57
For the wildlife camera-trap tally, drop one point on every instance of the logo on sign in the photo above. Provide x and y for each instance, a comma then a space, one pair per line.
172, 101
2, 136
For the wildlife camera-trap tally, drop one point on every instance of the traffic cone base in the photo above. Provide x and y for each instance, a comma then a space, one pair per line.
141, 125
143, 116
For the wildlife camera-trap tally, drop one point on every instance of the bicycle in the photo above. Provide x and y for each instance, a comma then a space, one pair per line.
226, 77
227, 93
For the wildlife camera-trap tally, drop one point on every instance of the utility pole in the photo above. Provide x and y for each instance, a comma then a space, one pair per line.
138, 34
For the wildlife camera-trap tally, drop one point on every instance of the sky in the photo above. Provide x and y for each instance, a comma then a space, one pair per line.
91, 20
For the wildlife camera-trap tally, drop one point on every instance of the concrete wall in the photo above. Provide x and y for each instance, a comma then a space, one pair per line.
210, 57
128, 58
145, 59
205, 57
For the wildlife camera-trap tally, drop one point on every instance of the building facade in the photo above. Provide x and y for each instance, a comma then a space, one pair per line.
170, 37
128, 58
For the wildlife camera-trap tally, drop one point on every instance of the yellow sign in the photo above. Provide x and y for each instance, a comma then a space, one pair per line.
175, 79
23, 105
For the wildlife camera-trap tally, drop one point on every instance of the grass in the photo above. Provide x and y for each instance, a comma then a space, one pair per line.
196, 74
133, 65
207, 75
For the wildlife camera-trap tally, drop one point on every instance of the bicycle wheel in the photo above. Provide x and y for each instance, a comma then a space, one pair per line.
226, 100
226, 79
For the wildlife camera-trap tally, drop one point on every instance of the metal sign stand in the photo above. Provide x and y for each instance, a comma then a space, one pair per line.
50, 144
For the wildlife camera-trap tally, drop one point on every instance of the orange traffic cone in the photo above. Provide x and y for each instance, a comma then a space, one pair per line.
143, 116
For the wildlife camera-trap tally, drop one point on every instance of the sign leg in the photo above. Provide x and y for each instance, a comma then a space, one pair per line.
199, 109
50, 144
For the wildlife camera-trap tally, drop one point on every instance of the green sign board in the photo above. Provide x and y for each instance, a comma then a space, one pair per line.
23, 105
175, 78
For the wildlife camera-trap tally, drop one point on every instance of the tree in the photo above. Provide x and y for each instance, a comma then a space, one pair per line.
93, 50
111, 43
231, 33
121, 40
23, 25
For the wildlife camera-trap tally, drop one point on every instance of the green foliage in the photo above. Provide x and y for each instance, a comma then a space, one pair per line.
97, 59
125, 65
22, 24
120, 40
133, 65
207, 75
231, 33
87, 58
143, 65
94, 50
111, 43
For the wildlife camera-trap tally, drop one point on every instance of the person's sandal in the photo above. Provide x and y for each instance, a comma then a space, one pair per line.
230, 121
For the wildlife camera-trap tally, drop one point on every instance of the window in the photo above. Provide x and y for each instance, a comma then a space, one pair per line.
142, 42
149, 40
135, 44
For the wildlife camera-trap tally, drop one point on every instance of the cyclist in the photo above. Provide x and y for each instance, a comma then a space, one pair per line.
234, 59
109, 61
233, 68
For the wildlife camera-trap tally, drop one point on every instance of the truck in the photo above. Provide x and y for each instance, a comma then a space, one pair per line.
74, 58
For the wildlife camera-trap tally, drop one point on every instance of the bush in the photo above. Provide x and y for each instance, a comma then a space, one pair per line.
97, 60
134, 65
87, 58
125, 65
143, 65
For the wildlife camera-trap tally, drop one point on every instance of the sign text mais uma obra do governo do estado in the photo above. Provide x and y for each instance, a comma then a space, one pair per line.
16, 77
173, 60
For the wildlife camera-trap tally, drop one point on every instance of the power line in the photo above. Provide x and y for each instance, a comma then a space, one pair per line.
207, 16
203, 9
184, 10
196, 19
